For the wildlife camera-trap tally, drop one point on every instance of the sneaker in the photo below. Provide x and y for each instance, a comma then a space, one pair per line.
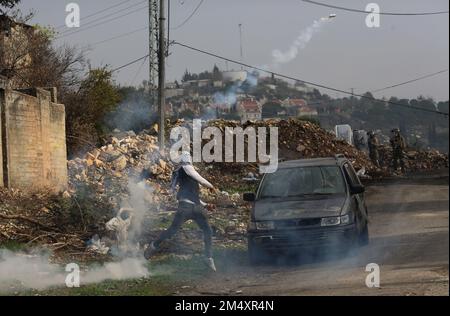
210, 264
150, 250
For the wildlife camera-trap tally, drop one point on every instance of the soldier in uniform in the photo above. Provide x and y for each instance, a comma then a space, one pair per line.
373, 148
398, 144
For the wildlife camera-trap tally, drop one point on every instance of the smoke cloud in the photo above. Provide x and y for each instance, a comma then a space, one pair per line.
35, 272
299, 43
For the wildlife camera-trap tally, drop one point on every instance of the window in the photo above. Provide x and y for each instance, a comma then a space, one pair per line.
352, 176
303, 181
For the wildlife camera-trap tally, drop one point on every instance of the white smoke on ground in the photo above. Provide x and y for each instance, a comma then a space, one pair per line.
22, 271
35, 271
299, 43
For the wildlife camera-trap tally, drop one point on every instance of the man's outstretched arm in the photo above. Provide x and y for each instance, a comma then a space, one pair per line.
190, 171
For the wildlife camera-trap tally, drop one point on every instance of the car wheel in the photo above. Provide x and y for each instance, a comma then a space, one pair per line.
364, 236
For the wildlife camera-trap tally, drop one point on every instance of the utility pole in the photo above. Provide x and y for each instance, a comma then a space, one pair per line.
153, 23
162, 75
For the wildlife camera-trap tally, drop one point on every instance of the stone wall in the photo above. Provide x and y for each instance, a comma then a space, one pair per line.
33, 140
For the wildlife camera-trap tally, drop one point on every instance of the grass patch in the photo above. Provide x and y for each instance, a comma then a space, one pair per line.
13, 245
168, 273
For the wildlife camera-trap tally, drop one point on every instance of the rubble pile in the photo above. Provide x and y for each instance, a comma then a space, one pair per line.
416, 160
302, 139
35, 218
108, 169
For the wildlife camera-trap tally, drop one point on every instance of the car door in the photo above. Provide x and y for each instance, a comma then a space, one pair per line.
362, 213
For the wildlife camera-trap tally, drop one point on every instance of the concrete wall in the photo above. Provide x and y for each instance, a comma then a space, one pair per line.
34, 129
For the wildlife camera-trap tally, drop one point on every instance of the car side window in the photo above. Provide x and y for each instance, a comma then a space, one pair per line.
351, 174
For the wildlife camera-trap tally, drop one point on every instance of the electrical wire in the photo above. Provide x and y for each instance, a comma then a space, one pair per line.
369, 12
130, 63
67, 33
410, 81
304, 81
189, 17
115, 37
97, 12
139, 70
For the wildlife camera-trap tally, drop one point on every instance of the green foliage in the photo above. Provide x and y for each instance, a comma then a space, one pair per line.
271, 109
100, 93
84, 211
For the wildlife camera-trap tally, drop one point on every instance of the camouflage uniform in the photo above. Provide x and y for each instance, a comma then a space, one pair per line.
373, 149
398, 146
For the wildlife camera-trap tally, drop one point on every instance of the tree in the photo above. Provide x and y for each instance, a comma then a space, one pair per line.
8, 4
216, 74
271, 109
86, 109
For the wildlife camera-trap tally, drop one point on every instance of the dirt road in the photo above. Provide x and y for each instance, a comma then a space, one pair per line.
409, 241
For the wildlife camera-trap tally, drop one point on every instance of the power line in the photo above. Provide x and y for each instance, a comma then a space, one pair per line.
189, 17
97, 12
139, 70
65, 34
130, 63
369, 12
410, 81
116, 37
304, 81
102, 18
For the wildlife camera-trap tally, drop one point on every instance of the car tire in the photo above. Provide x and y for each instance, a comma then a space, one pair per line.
364, 236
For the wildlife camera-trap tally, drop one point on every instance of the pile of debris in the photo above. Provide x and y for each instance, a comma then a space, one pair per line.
416, 160
298, 139
108, 169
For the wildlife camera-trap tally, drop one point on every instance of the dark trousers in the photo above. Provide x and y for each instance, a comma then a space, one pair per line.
187, 211
398, 158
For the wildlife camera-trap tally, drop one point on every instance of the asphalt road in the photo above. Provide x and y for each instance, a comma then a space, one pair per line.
409, 241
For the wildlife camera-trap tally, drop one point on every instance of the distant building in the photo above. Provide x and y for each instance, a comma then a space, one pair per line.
218, 84
171, 93
249, 110
234, 76
221, 107
307, 111
299, 107
300, 86
294, 103
190, 106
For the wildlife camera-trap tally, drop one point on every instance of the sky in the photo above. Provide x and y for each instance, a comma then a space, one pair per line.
343, 53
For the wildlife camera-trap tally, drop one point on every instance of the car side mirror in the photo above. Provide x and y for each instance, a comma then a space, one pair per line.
357, 189
249, 197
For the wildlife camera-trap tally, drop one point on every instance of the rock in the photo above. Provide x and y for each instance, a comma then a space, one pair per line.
120, 163
66, 195
301, 148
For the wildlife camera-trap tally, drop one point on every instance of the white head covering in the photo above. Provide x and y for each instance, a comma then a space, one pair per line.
186, 158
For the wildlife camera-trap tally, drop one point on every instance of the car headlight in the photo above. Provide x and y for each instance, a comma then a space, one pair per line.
267, 225
346, 219
337, 220
331, 221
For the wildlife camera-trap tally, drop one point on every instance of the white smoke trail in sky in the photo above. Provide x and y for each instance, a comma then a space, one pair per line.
299, 43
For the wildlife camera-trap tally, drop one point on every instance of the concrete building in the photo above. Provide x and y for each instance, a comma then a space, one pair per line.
249, 110
33, 139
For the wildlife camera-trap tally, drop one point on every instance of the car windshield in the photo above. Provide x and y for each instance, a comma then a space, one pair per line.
303, 182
